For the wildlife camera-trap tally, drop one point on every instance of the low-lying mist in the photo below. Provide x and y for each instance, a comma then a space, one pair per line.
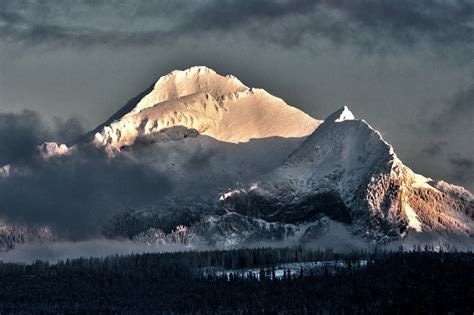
62, 250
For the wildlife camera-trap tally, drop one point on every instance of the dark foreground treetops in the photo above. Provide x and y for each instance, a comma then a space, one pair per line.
174, 283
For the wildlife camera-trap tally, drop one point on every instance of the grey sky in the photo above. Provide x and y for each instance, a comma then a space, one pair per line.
406, 67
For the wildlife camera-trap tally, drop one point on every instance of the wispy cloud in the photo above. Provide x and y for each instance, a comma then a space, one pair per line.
459, 108
371, 25
56, 251
434, 149
463, 168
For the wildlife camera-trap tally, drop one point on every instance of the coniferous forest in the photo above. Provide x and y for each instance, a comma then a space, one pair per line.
415, 282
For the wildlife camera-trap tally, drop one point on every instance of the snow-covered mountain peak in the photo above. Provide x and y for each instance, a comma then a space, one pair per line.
179, 83
217, 106
195, 70
341, 139
347, 171
341, 114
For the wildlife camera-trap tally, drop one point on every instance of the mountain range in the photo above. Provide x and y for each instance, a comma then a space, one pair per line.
247, 168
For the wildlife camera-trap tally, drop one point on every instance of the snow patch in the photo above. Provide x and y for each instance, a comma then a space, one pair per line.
5, 170
413, 221
340, 115
231, 193
51, 149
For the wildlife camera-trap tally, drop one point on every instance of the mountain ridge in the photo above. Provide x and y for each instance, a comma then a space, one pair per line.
290, 177
346, 166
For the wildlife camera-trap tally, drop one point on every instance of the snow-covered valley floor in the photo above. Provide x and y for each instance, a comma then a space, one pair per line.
279, 271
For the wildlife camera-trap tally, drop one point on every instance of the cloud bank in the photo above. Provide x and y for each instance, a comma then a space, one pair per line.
371, 25
21, 132
454, 121
75, 193
54, 252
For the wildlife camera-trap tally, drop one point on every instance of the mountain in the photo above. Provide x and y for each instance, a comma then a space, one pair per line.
344, 177
204, 131
201, 101
242, 167
348, 173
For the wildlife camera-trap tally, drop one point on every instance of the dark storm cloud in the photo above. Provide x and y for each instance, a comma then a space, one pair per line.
451, 130
459, 109
19, 135
21, 132
463, 168
74, 193
67, 130
368, 24
462, 104
434, 149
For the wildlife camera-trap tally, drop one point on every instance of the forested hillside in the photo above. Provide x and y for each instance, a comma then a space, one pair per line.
188, 282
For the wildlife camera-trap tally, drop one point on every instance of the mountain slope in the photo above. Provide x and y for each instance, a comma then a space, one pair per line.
346, 171
200, 99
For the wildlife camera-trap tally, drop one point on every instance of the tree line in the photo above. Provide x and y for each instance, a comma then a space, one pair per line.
173, 283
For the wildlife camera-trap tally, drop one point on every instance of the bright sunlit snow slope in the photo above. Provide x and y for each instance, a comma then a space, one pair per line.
202, 100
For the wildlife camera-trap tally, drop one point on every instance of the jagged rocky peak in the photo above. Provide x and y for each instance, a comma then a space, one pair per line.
342, 142
346, 171
217, 106
340, 115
